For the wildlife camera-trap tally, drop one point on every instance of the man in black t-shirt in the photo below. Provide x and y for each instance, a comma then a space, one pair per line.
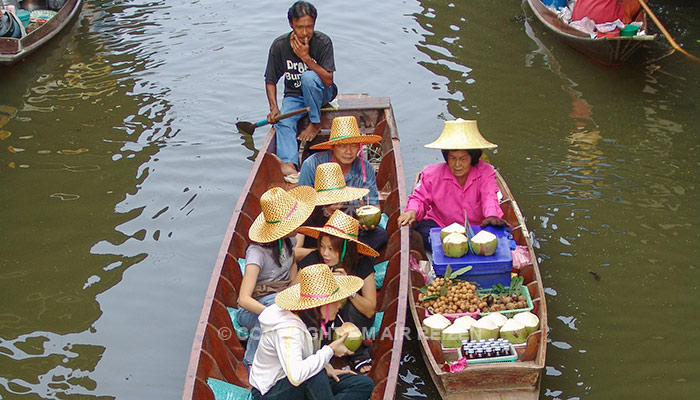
305, 58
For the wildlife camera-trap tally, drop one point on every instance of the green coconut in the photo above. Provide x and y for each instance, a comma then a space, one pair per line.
453, 335
484, 243
455, 227
465, 322
368, 215
497, 318
455, 245
514, 331
354, 339
434, 324
530, 320
483, 328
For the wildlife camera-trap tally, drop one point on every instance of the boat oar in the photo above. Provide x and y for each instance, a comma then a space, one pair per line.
665, 32
249, 127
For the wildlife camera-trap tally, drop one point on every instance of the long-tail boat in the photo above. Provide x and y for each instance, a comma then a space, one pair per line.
39, 31
519, 379
217, 352
605, 50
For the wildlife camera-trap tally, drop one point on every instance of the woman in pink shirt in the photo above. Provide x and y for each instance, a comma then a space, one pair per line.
461, 184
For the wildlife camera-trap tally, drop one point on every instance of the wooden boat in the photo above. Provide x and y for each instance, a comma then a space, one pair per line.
519, 379
13, 50
216, 352
606, 50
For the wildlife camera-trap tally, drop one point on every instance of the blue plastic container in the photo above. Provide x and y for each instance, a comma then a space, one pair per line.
555, 3
486, 271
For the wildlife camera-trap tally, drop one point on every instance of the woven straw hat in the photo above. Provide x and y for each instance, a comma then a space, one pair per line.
345, 130
331, 187
317, 286
282, 212
461, 134
343, 226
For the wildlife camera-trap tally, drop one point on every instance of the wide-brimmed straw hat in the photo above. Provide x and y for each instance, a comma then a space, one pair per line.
345, 130
461, 134
343, 226
317, 286
331, 187
282, 213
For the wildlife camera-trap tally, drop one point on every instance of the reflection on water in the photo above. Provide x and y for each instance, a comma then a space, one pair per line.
120, 166
58, 364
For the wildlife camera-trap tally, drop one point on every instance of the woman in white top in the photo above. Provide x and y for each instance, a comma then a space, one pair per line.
289, 363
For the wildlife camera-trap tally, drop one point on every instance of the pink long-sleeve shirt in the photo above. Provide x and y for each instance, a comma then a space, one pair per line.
440, 197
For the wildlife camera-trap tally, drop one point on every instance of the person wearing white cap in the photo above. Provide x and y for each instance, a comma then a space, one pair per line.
462, 184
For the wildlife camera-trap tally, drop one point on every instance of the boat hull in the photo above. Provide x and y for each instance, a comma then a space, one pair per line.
607, 51
13, 50
502, 380
216, 352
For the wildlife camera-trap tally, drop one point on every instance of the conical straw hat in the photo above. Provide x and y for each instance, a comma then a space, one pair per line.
343, 226
331, 187
345, 130
282, 212
317, 286
461, 134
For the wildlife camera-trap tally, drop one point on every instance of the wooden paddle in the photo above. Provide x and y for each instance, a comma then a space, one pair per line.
665, 32
249, 127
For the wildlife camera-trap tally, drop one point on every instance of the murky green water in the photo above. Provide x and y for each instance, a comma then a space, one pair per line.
123, 165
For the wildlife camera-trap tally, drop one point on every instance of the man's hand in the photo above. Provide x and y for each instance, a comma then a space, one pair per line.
300, 47
493, 221
274, 113
407, 218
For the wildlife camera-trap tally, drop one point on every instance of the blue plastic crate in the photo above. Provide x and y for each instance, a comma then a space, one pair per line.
486, 270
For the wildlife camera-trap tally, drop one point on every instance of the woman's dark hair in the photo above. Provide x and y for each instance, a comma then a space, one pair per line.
286, 243
475, 154
349, 262
299, 9
311, 317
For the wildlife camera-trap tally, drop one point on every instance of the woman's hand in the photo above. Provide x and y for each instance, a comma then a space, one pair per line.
365, 228
335, 373
338, 346
340, 271
407, 218
494, 221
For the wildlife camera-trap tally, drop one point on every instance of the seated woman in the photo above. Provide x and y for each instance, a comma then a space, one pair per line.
331, 194
344, 147
462, 184
290, 362
339, 248
270, 264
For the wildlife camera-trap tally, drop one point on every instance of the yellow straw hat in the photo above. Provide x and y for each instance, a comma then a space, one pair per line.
317, 286
282, 212
331, 187
345, 130
343, 226
460, 134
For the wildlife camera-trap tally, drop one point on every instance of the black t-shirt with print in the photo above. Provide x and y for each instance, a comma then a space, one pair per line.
283, 62
363, 268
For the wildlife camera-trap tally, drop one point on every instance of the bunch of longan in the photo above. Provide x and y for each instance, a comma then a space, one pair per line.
460, 296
